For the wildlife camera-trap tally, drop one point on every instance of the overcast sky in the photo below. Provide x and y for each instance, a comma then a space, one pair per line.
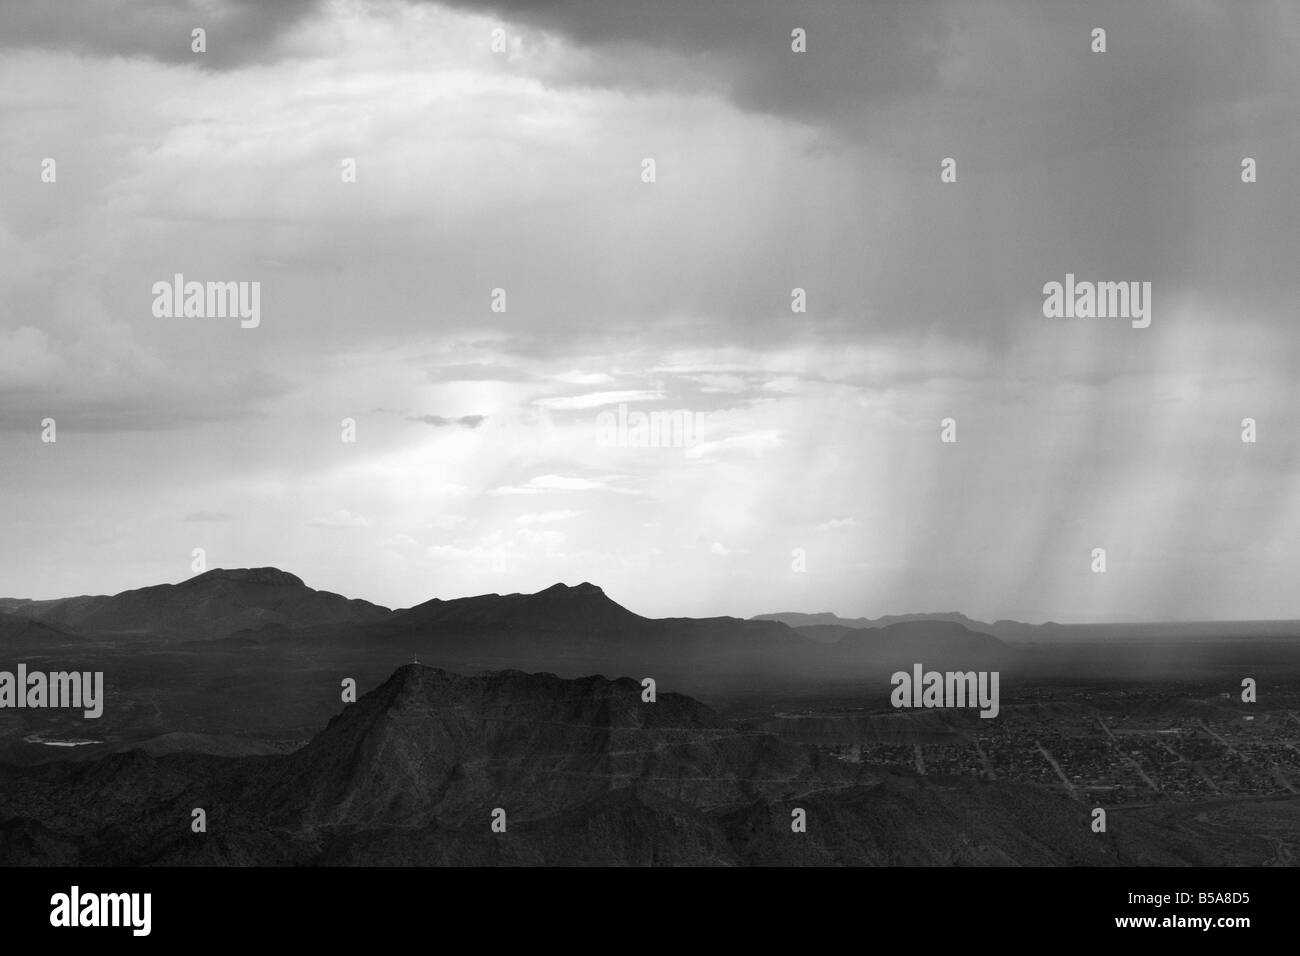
477, 465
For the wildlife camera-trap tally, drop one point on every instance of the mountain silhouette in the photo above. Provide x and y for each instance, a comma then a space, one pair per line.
800, 620
937, 642
216, 603
947, 638
584, 607
429, 746
568, 630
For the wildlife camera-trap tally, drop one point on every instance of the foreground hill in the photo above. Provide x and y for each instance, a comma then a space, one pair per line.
216, 603
586, 771
431, 746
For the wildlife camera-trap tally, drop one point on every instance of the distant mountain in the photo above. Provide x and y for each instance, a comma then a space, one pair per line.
569, 630
935, 643
797, 619
822, 627
57, 612
945, 645
583, 607
578, 630
216, 603
819, 626
1154, 632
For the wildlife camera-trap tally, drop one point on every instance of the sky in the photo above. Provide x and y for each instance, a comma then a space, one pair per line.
501, 145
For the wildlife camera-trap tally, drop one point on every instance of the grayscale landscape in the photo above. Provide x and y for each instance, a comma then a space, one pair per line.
226, 695
648, 433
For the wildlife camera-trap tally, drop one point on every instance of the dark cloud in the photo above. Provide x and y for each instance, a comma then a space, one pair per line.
857, 51
238, 31
1120, 163
1019, 73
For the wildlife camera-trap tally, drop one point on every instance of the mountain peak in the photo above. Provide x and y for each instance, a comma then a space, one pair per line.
585, 588
413, 680
273, 577
583, 607
429, 746
215, 604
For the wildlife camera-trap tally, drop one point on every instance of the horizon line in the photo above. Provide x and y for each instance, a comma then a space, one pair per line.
752, 617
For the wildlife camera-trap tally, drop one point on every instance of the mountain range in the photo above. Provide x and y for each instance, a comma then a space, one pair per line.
213, 604
828, 627
261, 603
224, 693
573, 629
